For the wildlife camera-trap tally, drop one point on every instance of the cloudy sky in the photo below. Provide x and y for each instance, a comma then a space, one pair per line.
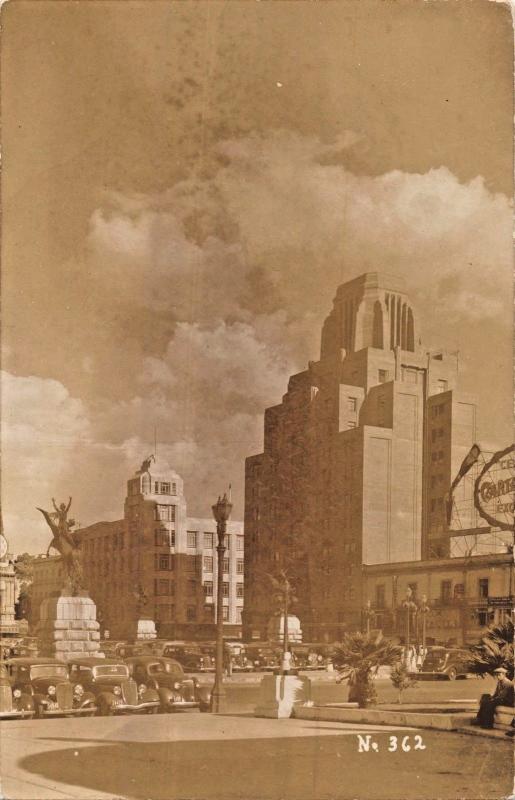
184, 187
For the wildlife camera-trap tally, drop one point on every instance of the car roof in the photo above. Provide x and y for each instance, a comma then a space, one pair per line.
150, 659
95, 661
26, 661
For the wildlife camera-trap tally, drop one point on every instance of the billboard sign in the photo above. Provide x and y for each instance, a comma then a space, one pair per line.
494, 489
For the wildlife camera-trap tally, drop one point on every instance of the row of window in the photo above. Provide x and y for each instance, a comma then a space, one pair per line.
446, 591
208, 589
209, 541
159, 487
115, 541
165, 538
165, 612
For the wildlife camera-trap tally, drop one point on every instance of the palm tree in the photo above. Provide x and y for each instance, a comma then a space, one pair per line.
358, 659
495, 649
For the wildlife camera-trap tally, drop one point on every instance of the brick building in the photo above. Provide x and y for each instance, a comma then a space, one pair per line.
357, 460
158, 549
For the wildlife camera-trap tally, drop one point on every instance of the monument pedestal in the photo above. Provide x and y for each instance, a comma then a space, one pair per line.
278, 694
146, 629
68, 627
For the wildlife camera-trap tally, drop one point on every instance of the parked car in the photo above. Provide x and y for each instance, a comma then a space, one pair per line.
176, 691
108, 679
443, 662
157, 647
14, 704
190, 656
263, 657
47, 681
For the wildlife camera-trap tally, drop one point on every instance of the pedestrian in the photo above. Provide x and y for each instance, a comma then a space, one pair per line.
502, 696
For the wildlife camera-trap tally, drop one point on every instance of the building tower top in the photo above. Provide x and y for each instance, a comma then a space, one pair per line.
372, 310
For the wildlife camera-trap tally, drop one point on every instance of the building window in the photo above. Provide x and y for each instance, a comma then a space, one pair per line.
164, 562
413, 587
441, 386
445, 591
161, 587
209, 540
208, 588
226, 565
380, 595
191, 613
225, 589
226, 541
239, 544
382, 375
208, 563
164, 488
165, 513
409, 375
192, 587
352, 403
239, 590
483, 587
161, 537
240, 566
191, 540
225, 613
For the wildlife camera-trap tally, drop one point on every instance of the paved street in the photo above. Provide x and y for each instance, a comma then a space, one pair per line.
195, 756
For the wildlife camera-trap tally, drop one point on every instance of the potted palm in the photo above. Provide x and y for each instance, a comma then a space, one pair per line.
358, 659
495, 649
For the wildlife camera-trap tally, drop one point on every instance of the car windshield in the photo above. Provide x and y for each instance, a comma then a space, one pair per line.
49, 671
156, 668
173, 669
119, 670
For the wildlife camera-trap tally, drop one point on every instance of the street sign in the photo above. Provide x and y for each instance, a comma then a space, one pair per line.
501, 602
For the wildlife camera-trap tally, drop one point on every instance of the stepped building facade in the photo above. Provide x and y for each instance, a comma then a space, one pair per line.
357, 461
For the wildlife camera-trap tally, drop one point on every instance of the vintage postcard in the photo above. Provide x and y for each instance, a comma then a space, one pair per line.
258, 470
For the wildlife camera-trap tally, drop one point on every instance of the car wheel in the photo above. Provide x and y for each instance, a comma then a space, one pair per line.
452, 674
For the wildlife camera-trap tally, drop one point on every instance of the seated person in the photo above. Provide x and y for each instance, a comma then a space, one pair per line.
502, 696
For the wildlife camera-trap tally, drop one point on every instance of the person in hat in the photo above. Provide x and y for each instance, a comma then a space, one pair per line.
502, 696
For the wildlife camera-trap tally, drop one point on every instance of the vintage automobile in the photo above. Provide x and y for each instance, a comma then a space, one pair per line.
444, 662
115, 692
190, 656
14, 704
176, 691
240, 662
263, 657
47, 681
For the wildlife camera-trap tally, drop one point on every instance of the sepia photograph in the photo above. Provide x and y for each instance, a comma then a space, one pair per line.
257, 451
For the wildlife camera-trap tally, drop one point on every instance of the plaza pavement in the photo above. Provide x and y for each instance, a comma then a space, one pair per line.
195, 756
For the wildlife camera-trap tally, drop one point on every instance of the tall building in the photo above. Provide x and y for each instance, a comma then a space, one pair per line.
156, 562
357, 460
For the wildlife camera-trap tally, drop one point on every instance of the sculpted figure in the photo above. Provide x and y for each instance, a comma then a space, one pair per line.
64, 542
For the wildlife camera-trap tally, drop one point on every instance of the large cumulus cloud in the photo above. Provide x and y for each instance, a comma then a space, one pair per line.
225, 279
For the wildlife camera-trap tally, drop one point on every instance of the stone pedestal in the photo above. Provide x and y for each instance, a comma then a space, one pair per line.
280, 693
68, 627
146, 629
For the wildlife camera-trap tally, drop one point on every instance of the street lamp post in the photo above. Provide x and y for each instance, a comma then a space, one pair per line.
369, 614
424, 610
410, 606
221, 512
